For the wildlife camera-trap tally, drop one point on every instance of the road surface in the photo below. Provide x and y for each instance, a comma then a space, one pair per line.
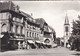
60, 51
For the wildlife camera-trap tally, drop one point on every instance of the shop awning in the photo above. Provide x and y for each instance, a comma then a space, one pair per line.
48, 44
38, 41
30, 41
1, 36
43, 43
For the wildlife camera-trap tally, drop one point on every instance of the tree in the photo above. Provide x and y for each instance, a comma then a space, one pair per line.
75, 37
76, 27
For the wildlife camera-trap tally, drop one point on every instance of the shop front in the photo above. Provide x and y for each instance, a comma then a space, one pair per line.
38, 43
30, 44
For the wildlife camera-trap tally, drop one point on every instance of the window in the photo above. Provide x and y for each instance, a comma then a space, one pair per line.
16, 8
4, 28
4, 15
27, 34
21, 29
45, 28
66, 29
18, 19
22, 20
35, 35
47, 41
30, 34
66, 33
11, 27
33, 27
28, 26
16, 29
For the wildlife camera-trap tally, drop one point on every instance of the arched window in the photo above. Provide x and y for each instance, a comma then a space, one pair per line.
4, 27
47, 41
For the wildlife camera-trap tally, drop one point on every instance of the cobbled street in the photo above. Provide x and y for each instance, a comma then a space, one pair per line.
60, 51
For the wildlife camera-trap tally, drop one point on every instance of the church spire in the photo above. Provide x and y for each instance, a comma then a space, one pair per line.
66, 30
66, 20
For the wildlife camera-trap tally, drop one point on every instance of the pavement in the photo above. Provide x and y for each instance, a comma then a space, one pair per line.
59, 51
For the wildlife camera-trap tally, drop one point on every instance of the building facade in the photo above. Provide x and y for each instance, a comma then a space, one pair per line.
18, 30
12, 26
48, 36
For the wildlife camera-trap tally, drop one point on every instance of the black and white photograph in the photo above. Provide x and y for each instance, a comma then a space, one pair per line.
40, 28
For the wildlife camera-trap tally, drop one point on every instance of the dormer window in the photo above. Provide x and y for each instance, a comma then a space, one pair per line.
16, 8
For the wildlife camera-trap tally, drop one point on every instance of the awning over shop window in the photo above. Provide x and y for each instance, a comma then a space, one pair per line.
1, 36
30, 41
43, 43
48, 44
38, 41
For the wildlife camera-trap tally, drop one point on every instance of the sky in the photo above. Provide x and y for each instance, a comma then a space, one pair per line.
53, 12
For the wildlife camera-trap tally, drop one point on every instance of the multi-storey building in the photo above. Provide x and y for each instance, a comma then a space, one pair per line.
12, 25
19, 30
48, 36
16, 26
33, 32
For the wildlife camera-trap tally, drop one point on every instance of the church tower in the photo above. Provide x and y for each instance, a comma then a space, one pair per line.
66, 31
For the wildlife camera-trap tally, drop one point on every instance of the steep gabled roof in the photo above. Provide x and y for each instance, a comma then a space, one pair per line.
25, 14
29, 18
6, 6
40, 21
66, 20
52, 30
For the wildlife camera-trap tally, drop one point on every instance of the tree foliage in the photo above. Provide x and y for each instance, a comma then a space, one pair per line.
74, 40
76, 27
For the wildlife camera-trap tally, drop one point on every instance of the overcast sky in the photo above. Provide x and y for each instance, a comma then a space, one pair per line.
53, 12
